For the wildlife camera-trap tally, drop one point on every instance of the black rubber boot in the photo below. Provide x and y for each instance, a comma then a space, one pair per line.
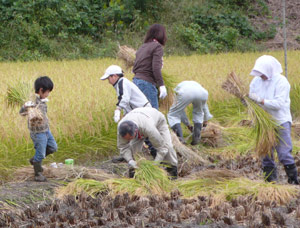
118, 159
177, 129
38, 172
49, 150
196, 134
270, 173
131, 172
291, 172
172, 170
31, 160
152, 150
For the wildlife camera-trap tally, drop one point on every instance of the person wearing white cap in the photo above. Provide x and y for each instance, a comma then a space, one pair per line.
271, 90
189, 92
129, 95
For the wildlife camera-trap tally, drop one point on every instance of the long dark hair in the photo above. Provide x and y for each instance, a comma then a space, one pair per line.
158, 32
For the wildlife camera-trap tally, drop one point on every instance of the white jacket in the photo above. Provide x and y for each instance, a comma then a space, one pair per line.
129, 95
275, 91
152, 124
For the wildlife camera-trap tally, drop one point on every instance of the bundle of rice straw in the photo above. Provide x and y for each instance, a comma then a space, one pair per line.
63, 173
216, 174
264, 126
88, 186
185, 152
149, 179
127, 54
232, 188
212, 135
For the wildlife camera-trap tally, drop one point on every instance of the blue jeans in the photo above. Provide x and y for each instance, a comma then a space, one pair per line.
43, 142
149, 90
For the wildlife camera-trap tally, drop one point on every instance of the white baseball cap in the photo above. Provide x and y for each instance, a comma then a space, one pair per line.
111, 70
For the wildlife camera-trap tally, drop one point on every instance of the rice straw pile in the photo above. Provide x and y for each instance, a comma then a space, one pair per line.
217, 174
212, 135
127, 54
227, 189
90, 187
264, 127
185, 152
149, 179
63, 173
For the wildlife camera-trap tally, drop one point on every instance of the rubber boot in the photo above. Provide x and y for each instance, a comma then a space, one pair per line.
177, 129
31, 160
118, 159
270, 173
49, 151
291, 172
152, 150
196, 134
38, 172
131, 172
172, 170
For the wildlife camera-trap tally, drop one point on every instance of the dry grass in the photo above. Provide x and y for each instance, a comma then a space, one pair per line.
216, 174
63, 173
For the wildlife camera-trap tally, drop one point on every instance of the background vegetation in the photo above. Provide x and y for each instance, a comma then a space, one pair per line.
72, 29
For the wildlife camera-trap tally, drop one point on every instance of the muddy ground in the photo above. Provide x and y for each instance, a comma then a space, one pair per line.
31, 204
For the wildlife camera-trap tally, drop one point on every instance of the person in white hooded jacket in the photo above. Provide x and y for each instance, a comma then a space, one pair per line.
271, 90
142, 123
189, 92
129, 95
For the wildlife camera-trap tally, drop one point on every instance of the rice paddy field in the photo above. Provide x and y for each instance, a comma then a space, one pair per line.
81, 109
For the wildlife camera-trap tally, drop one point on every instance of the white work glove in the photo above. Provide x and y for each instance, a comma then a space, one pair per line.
255, 98
162, 92
117, 115
132, 164
29, 104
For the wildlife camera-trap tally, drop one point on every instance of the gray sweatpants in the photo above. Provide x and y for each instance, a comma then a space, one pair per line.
189, 92
283, 148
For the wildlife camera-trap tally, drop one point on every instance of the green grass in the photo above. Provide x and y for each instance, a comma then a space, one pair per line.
295, 100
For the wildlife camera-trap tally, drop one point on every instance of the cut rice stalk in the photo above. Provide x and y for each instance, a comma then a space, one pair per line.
265, 127
229, 189
185, 152
91, 187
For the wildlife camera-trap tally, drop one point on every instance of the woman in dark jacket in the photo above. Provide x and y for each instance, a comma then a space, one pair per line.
148, 64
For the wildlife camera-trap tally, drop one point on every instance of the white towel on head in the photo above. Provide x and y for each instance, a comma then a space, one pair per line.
266, 65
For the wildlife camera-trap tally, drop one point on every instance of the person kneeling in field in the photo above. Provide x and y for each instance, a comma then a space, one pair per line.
129, 95
135, 127
271, 90
188, 92
44, 142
